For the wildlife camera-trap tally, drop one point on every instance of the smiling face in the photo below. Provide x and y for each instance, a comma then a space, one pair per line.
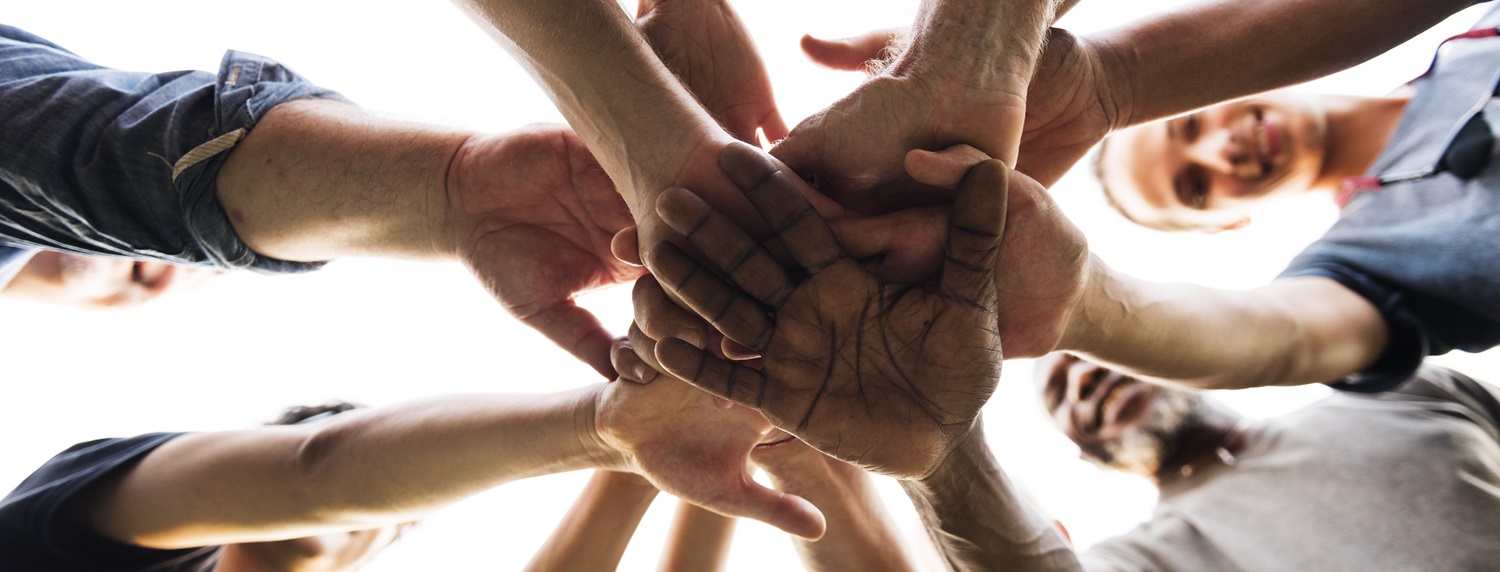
1210, 168
1116, 421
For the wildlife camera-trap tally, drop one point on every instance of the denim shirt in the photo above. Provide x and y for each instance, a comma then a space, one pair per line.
101, 161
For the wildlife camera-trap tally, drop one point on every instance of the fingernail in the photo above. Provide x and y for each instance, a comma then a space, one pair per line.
644, 374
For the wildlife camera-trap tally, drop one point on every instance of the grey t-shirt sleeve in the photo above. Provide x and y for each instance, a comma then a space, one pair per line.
1165, 543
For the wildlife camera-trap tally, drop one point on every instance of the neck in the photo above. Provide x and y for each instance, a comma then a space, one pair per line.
1358, 128
1219, 430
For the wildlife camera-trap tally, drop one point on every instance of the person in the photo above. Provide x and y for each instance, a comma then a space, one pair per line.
236, 170
1347, 312
1294, 492
277, 495
93, 281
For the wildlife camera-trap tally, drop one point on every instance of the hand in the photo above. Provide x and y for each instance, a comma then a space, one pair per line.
878, 374
1070, 108
534, 215
1069, 105
854, 149
706, 45
675, 436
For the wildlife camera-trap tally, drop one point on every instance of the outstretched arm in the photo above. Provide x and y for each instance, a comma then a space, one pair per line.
698, 541
529, 212
594, 533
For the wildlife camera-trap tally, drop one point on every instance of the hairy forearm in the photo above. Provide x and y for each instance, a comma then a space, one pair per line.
977, 519
623, 102
319, 179
357, 470
594, 533
1222, 49
1291, 332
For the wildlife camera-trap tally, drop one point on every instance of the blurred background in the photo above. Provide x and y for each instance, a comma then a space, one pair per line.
241, 347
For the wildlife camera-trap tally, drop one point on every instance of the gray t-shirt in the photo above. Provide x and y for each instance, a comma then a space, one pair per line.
1404, 480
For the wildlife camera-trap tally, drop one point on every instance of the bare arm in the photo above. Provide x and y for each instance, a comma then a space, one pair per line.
594, 533
977, 520
1291, 332
698, 541
1218, 50
271, 483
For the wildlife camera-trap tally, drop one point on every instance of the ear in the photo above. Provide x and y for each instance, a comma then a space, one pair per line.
1236, 225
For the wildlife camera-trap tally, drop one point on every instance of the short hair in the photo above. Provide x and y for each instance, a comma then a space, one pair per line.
1109, 197
307, 413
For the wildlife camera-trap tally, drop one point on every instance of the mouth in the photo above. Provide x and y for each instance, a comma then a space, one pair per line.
1265, 138
1119, 401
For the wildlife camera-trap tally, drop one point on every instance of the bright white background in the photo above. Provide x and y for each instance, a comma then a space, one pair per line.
235, 351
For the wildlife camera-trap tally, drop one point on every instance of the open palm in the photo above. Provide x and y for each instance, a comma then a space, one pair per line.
876, 373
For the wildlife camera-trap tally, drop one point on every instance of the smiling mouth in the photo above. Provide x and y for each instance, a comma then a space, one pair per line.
1266, 140
1112, 394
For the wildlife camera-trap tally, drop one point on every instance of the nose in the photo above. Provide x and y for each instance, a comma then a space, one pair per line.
1221, 150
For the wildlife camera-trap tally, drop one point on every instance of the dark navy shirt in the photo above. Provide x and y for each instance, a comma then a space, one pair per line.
1426, 252
36, 536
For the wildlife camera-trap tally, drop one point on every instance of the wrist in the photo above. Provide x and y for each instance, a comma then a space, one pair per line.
600, 450
984, 45
1098, 307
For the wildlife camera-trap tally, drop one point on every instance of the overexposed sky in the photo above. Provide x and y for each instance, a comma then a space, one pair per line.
237, 350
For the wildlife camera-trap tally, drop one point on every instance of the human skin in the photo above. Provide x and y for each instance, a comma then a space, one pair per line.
528, 212
282, 482
595, 531
90, 281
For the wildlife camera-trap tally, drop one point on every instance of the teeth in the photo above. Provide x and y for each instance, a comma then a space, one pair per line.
1113, 396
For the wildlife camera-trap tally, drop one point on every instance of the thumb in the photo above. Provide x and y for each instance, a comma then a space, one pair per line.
945, 168
626, 246
850, 54
788, 512
578, 331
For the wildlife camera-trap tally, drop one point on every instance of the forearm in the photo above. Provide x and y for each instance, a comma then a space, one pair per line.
319, 179
977, 519
1291, 332
699, 540
594, 533
1222, 49
860, 533
356, 470
623, 102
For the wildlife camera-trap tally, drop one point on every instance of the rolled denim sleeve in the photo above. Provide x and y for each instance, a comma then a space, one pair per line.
102, 161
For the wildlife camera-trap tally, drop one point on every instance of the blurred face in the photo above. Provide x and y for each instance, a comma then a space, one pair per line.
1116, 421
100, 281
1209, 169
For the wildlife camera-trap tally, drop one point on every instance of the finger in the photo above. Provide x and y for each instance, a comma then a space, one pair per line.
631, 367
850, 54
974, 235
909, 243
779, 200
790, 513
726, 379
728, 310
944, 168
660, 318
774, 128
578, 331
726, 246
626, 246
737, 352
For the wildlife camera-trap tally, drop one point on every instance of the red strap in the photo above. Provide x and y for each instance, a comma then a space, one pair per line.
1351, 186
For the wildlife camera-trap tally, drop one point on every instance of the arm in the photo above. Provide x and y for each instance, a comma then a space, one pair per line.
271, 483
977, 520
698, 541
860, 534
529, 212
1291, 332
594, 533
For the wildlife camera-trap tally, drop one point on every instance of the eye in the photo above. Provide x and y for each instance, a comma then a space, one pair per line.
1190, 127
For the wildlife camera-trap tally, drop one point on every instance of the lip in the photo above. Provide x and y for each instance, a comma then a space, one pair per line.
1265, 139
1116, 400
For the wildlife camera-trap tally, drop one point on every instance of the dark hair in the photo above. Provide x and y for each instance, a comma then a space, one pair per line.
1109, 197
304, 413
